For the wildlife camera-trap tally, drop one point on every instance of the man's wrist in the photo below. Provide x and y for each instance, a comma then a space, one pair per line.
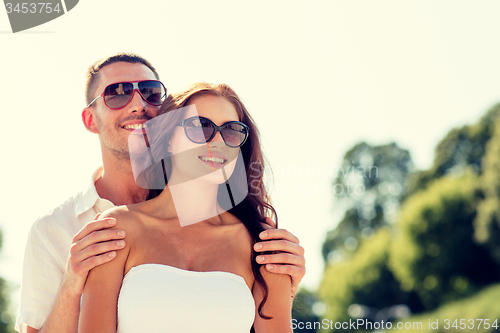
68, 292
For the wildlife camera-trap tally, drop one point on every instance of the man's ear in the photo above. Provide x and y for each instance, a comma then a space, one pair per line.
88, 120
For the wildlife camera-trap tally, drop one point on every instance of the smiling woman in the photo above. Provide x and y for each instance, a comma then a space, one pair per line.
194, 234
198, 129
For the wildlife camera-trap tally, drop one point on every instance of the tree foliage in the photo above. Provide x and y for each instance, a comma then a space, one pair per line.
303, 306
6, 325
461, 148
482, 305
445, 242
487, 223
369, 186
364, 279
435, 254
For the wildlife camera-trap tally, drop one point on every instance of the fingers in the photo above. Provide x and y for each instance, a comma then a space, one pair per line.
94, 261
97, 237
278, 234
94, 245
295, 272
98, 248
284, 259
96, 224
284, 263
280, 245
78, 270
288, 257
89, 235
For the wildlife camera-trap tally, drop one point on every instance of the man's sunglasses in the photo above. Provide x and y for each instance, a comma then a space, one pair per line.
117, 95
202, 130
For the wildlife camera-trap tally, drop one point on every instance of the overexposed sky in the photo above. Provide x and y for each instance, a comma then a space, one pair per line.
317, 76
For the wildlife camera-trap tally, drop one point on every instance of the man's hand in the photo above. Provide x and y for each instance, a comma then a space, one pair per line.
290, 257
94, 245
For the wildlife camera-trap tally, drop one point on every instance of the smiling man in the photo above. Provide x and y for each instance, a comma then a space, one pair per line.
65, 244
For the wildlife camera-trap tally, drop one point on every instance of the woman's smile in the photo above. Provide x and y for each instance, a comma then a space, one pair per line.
212, 159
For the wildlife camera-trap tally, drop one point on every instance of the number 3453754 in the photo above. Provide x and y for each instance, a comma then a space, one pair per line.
470, 323
32, 8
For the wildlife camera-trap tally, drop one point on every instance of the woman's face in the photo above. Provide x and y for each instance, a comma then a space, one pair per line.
204, 161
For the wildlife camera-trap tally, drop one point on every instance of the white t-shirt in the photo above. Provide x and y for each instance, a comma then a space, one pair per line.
47, 251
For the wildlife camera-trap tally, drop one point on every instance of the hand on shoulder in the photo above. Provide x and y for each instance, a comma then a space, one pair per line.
287, 256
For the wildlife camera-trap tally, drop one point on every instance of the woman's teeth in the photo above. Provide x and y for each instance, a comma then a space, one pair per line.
212, 159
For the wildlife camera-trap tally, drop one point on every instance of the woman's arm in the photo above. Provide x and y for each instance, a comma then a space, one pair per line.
277, 306
290, 257
98, 311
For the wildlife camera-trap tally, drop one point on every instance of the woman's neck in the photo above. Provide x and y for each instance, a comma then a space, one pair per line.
191, 202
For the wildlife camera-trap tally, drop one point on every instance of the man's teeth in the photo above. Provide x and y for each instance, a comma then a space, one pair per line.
135, 126
212, 159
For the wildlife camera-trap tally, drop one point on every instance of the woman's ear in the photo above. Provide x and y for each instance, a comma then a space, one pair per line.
88, 120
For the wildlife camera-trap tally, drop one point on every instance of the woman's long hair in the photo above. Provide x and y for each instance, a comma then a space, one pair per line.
256, 206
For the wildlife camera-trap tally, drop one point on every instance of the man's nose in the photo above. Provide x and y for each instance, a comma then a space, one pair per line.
137, 104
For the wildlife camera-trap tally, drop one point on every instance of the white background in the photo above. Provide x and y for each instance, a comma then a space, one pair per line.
318, 77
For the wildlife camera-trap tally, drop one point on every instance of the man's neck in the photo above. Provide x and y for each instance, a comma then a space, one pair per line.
117, 184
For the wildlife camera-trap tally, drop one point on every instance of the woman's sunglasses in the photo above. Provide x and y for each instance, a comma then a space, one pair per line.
202, 130
117, 95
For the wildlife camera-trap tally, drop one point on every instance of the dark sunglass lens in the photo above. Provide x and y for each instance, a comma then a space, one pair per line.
234, 134
199, 130
153, 92
208, 129
117, 95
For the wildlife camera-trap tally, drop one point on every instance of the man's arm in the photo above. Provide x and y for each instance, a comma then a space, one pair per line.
290, 259
92, 246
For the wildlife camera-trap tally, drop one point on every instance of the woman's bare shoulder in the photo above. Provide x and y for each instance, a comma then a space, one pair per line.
126, 219
116, 212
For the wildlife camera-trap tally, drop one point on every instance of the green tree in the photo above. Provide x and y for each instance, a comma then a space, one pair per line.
462, 148
435, 254
435, 258
369, 188
487, 223
363, 279
302, 310
6, 325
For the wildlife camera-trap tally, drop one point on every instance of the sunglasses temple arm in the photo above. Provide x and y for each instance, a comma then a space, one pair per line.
228, 188
95, 99
152, 159
164, 172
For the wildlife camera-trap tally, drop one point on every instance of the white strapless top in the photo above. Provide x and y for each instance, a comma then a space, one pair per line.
159, 298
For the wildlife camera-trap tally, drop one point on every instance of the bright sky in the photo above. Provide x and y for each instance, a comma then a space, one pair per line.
317, 77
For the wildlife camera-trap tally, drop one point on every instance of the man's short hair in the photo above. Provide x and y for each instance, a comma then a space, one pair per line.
92, 76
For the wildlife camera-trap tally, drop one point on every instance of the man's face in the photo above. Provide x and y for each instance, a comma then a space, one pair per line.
114, 126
